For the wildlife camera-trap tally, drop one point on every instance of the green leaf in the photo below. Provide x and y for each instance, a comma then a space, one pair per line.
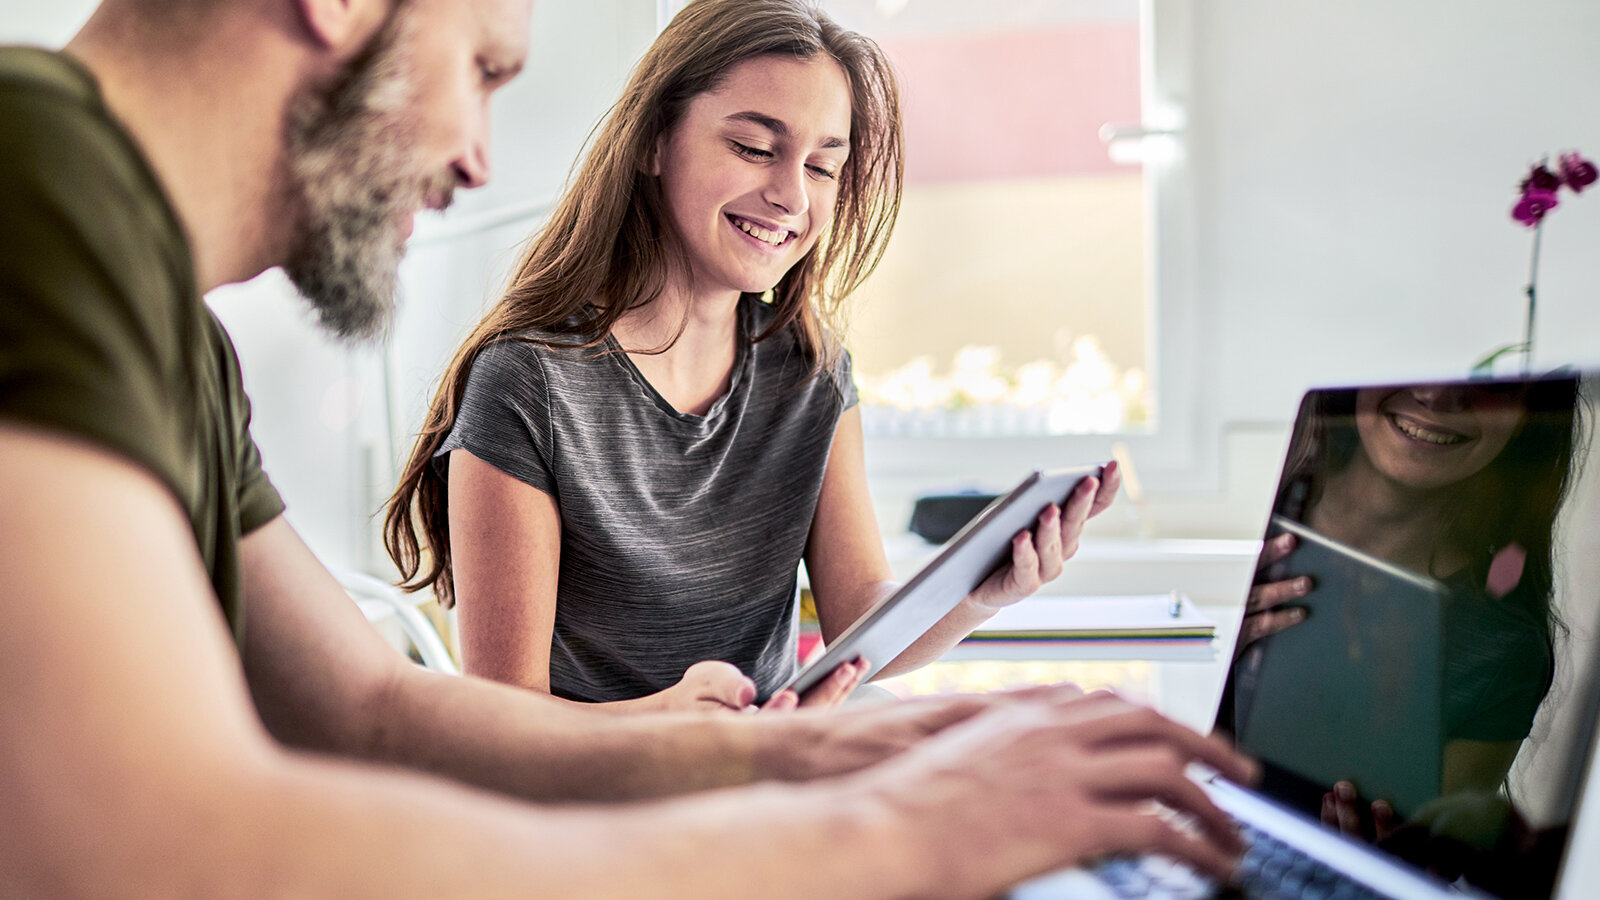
1484, 367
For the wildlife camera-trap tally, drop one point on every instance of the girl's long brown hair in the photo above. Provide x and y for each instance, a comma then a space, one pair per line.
608, 245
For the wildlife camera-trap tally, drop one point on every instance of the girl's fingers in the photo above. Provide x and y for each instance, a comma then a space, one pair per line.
1275, 549
1267, 624
1110, 483
1024, 564
1269, 596
783, 701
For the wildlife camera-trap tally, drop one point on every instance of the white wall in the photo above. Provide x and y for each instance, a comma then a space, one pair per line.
46, 24
1354, 165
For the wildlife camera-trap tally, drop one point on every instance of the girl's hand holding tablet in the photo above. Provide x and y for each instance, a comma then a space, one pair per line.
1038, 554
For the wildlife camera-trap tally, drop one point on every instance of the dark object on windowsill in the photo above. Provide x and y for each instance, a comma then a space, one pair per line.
936, 518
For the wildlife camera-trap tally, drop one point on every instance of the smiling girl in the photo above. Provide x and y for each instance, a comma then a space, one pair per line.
628, 460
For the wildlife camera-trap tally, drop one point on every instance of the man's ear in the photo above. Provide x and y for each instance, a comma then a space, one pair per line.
343, 25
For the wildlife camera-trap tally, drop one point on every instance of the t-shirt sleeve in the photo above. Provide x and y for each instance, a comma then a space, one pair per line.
87, 277
258, 500
844, 377
504, 417
1499, 664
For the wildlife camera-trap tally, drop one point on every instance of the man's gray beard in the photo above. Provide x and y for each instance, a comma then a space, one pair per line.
353, 180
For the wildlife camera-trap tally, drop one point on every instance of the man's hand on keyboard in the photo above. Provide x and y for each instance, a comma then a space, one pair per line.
1055, 780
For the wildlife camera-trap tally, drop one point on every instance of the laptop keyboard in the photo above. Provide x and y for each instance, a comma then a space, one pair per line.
1270, 870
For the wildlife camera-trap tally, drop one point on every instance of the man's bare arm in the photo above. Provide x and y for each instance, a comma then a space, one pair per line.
134, 764
324, 679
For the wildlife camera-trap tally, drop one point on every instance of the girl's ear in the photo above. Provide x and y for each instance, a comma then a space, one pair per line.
652, 160
343, 25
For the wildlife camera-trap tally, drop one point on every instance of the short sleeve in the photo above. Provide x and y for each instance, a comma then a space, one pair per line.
90, 261
258, 500
504, 416
844, 379
1498, 668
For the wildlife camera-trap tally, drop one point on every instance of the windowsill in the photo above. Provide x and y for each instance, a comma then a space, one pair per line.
1212, 572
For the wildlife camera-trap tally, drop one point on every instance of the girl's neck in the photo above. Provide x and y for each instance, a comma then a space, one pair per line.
685, 346
1366, 509
680, 319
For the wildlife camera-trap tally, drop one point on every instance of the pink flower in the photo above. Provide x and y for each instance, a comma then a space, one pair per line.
1535, 202
1540, 179
1577, 172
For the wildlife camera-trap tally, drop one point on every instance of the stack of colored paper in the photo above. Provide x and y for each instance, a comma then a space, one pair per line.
1138, 617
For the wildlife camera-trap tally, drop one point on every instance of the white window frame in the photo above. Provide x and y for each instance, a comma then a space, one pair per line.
1182, 453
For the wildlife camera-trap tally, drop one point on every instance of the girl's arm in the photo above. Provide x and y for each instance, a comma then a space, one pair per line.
850, 571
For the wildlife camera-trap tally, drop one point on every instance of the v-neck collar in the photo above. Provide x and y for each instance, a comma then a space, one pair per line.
741, 362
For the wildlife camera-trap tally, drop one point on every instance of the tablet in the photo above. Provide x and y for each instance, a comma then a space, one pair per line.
970, 556
1355, 692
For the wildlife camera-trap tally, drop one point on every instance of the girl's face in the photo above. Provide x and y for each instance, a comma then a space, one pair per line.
1433, 436
751, 172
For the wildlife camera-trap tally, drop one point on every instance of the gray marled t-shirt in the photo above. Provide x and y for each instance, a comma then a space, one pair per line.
681, 535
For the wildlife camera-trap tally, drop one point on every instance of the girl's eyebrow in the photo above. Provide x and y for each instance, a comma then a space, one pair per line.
779, 128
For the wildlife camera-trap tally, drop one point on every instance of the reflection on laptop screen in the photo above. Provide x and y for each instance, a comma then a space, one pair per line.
1438, 696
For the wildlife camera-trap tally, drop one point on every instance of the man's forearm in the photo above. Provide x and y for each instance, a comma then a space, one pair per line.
529, 745
288, 824
414, 837
522, 743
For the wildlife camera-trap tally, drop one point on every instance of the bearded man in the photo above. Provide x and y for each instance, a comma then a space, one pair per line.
192, 707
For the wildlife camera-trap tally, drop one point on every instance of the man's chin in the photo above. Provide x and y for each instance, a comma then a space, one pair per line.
353, 311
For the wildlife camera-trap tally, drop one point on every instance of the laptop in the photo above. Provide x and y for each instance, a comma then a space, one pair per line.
1464, 518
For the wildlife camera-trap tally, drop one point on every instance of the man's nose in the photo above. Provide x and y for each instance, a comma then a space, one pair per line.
472, 168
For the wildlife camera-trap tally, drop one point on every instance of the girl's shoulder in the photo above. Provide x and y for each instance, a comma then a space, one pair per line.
786, 349
541, 348
759, 315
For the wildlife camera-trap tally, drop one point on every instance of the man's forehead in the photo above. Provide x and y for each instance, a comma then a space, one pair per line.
499, 27
508, 20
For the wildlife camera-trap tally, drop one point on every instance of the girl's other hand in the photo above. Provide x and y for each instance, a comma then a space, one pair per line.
831, 691
1268, 608
709, 686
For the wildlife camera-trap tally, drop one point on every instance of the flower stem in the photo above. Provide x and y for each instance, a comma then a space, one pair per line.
1533, 300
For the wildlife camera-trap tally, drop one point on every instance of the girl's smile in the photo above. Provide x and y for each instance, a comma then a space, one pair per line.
750, 173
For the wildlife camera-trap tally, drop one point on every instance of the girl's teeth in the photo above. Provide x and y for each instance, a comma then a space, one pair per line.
1423, 434
761, 234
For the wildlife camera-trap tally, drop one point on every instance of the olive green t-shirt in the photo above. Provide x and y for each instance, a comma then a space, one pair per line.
103, 334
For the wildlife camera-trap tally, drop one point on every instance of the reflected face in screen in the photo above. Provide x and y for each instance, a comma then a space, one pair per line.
1446, 666
1431, 436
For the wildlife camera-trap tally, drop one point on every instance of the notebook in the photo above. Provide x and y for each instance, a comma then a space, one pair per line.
1170, 616
1484, 496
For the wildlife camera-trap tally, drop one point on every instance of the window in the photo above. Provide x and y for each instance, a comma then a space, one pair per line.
1040, 285
1020, 252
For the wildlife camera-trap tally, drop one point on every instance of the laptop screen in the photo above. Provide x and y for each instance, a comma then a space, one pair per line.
1417, 664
